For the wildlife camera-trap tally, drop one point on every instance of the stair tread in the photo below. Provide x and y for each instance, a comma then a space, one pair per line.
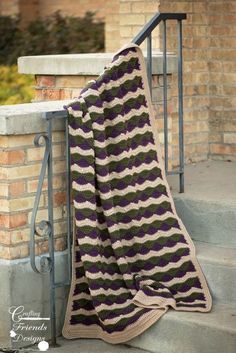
221, 317
215, 254
211, 181
191, 332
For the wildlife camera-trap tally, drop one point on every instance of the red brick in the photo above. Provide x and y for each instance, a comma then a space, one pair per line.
17, 188
18, 220
222, 149
4, 220
59, 198
46, 81
12, 157
51, 94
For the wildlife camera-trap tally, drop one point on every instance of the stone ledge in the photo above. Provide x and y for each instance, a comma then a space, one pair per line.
19, 119
83, 64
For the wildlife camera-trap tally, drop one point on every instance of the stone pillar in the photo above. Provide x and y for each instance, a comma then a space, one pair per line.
20, 164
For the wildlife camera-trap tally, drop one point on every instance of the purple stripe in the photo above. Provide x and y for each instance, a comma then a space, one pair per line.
200, 296
123, 53
108, 114
102, 137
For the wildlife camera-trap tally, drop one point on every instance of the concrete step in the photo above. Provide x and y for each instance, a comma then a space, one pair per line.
208, 205
219, 267
89, 346
186, 332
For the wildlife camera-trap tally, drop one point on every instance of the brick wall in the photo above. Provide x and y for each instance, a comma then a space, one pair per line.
72, 7
195, 77
19, 174
209, 53
50, 87
222, 78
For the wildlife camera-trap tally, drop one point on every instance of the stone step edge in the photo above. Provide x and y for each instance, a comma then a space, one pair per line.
214, 254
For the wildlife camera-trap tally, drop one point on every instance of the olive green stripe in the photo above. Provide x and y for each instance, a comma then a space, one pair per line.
127, 180
134, 230
154, 260
193, 296
118, 108
137, 247
114, 91
133, 214
121, 67
131, 196
112, 147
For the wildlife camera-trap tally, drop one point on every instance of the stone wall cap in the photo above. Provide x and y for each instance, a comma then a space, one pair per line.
83, 64
20, 119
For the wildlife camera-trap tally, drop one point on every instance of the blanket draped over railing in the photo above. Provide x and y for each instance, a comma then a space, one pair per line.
133, 258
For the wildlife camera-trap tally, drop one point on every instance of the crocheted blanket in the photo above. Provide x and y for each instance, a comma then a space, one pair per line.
133, 258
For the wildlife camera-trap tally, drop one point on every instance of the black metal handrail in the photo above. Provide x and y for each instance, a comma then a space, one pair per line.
146, 33
154, 22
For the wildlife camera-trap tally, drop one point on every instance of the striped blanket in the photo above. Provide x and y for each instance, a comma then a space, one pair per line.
133, 258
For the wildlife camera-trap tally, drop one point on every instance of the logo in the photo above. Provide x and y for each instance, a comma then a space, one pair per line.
29, 327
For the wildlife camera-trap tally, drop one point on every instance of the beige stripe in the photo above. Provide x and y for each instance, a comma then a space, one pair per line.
193, 302
99, 274
122, 59
137, 240
121, 225
125, 154
151, 272
188, 293
142, 221
85, 312
113, 158
82, 295
111, 291
134, 188
82, 170
97, 242
180, 280
114, 102
80, 132
120, 118
118, 318
128, 260
115, 209
143, 301
75, 113
95, 331
88, 222
85, 204
127, 171
79, 187
122, 137
81, 152
112, 84
104, 306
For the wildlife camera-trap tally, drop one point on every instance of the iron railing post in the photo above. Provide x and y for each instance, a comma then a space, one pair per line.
68, 201
180, 107
165, 97
145, 33
51, 238
149, 61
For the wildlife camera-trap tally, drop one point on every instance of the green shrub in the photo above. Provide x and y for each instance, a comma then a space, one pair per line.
14, 87
56, 34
